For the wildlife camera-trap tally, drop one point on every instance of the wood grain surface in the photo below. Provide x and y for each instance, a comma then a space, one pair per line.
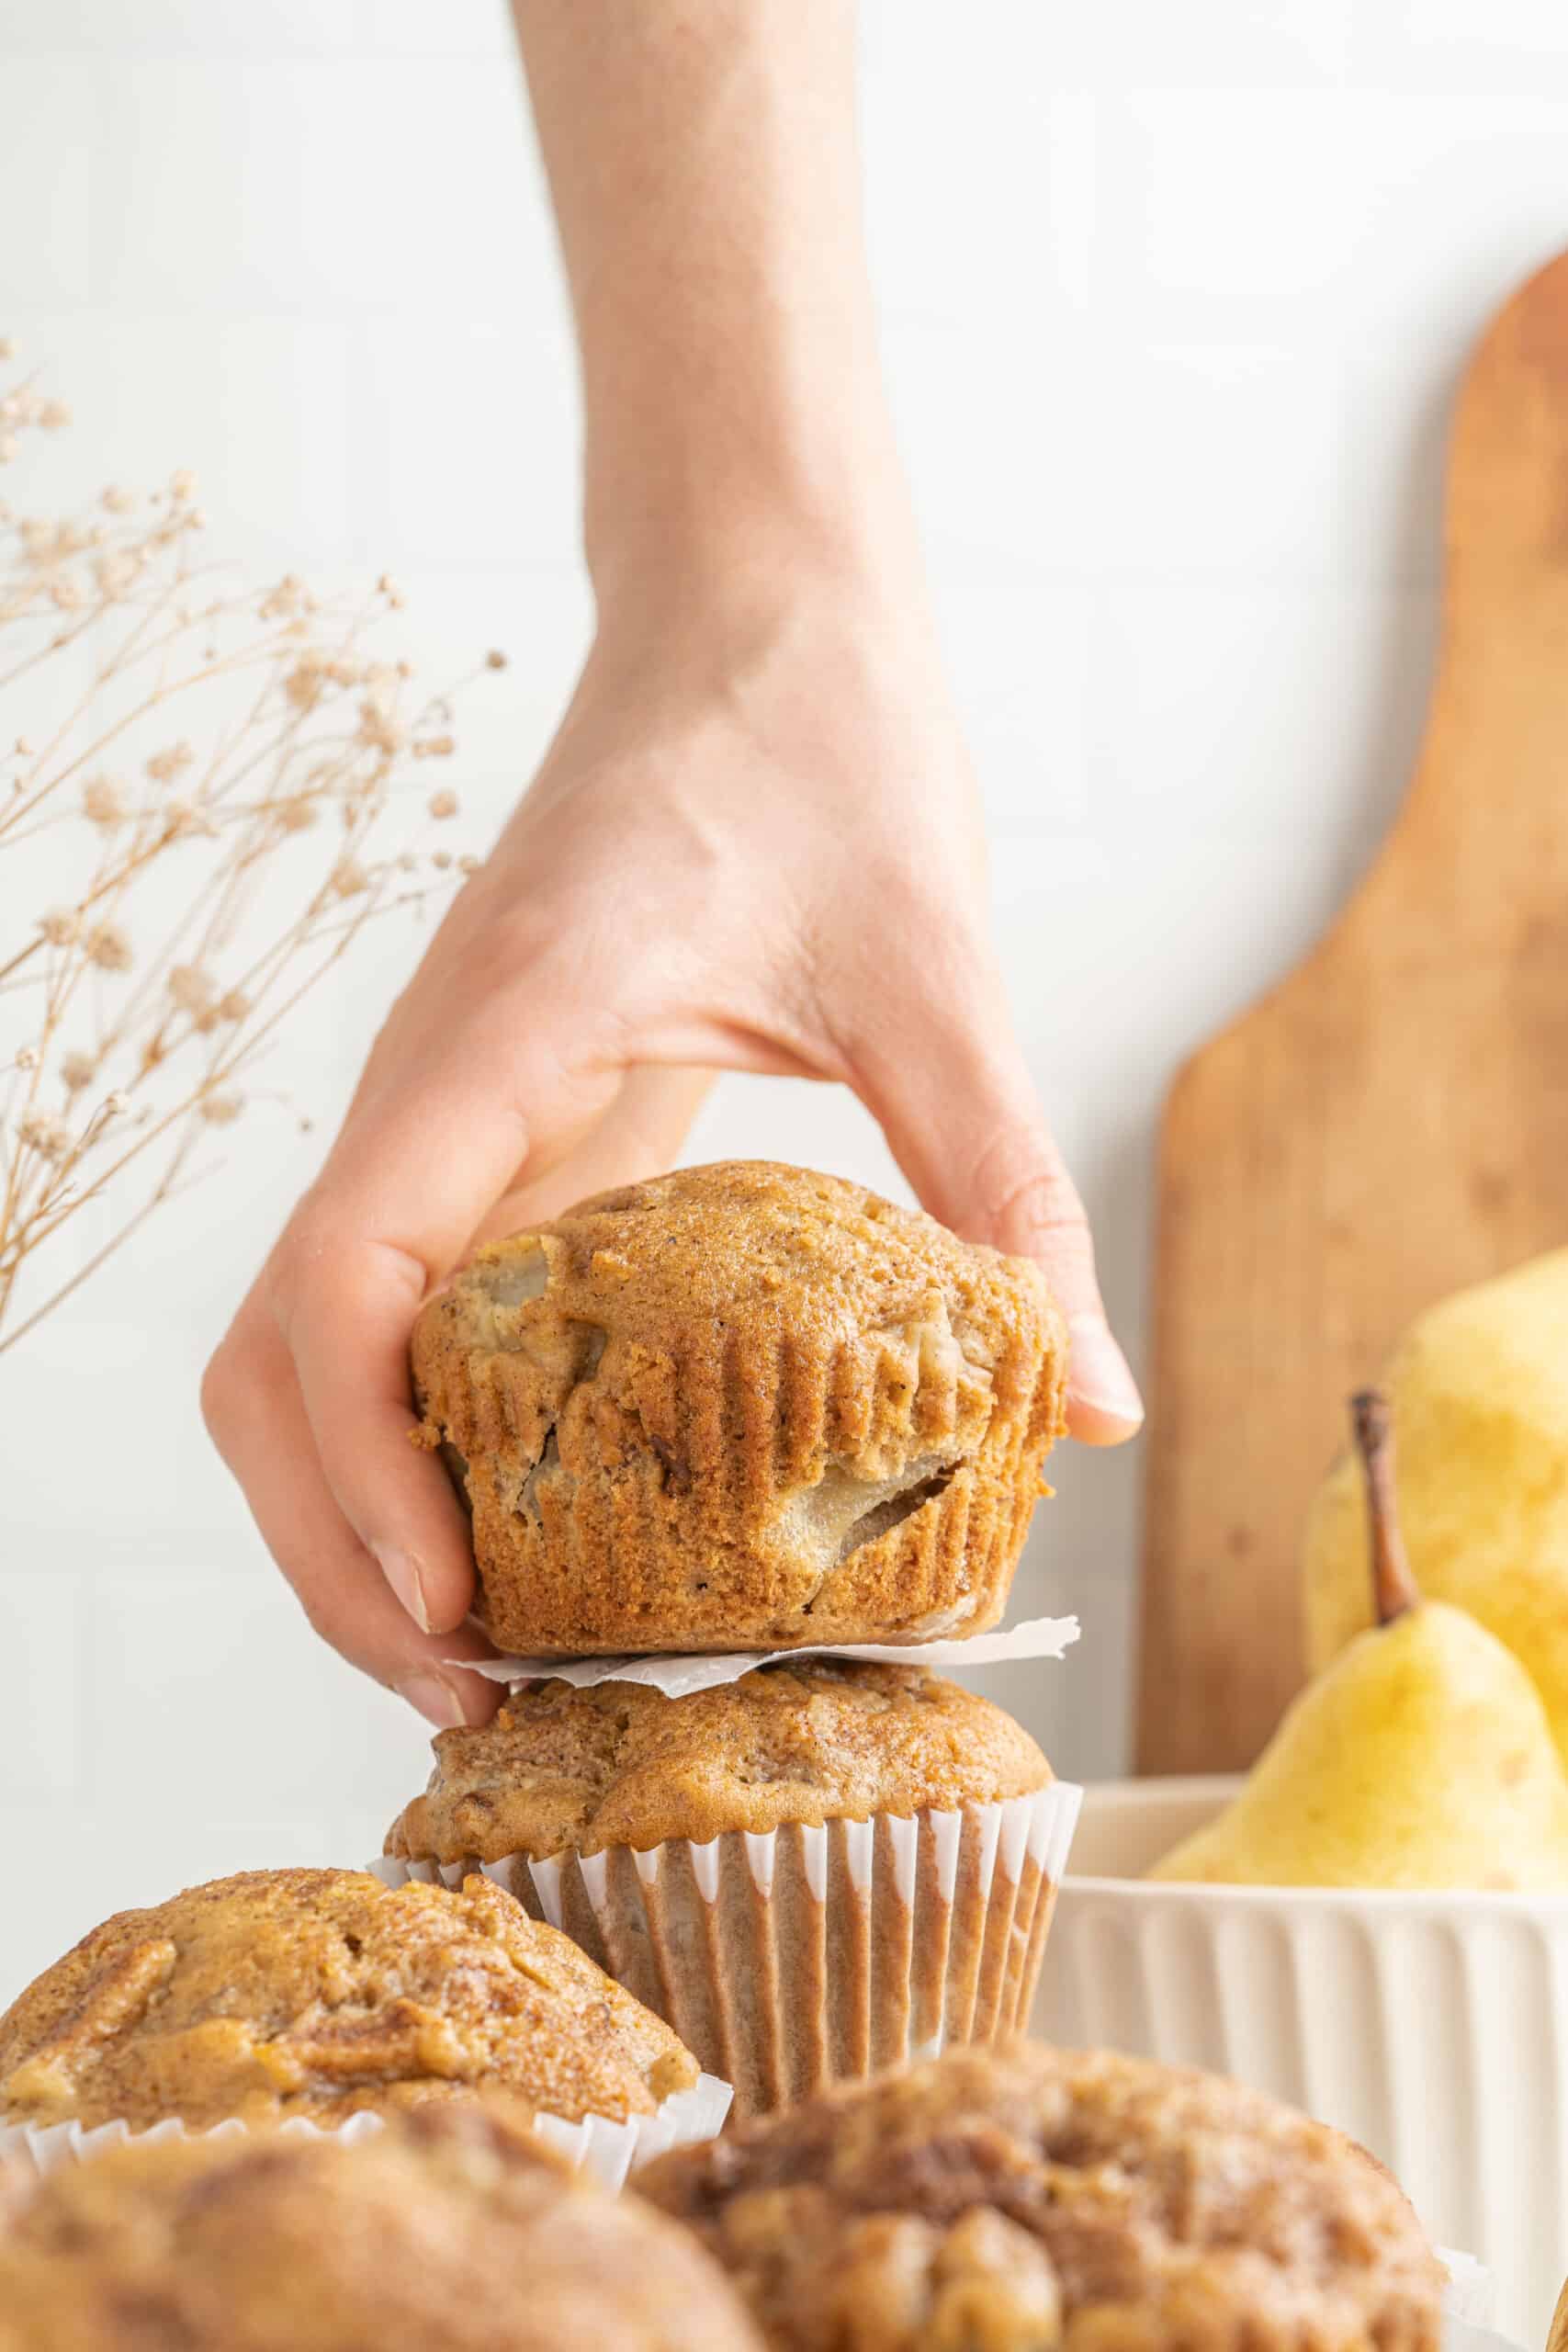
1391, 1122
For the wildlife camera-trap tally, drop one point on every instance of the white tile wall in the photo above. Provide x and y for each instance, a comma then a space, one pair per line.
1174, 302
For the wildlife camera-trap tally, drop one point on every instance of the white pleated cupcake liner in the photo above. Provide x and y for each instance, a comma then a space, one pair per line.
806, 1955
599, 2146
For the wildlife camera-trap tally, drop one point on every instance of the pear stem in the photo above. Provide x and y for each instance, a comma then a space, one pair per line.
1393, 1587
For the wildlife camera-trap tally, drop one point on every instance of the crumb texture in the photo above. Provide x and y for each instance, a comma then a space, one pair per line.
1027, 2197
622, 1765
320, 1993
741, 1407
454, 2230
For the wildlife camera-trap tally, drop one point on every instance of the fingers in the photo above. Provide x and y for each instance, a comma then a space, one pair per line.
641, 1133
257, 1420
950, 1087
415, 1169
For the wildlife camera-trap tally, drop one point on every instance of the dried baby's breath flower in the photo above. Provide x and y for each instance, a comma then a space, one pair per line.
441, 859
192, 988
316, 717
109, 948
495, 658
104, 802
442, 804
469, 862
42, 1132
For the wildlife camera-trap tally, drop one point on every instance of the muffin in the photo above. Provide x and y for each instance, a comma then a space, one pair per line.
321, 1996
815, 1870
741, 1408
455, 2231
1026, 2198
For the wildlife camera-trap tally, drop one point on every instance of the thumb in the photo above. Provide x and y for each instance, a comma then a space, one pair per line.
957, 1105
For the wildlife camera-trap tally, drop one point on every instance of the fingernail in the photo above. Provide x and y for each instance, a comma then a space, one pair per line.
402, 1575
1098, 1374
436, 1700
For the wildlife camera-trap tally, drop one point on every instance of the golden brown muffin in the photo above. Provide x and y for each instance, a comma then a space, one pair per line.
621, 1765
822, 1868
1026, 2197
321, 1994
454, 2230
741, 1407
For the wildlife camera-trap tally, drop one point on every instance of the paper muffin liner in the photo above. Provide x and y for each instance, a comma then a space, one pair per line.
807, 1955
596, 2144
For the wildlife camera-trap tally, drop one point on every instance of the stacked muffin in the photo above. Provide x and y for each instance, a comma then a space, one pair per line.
745, 1409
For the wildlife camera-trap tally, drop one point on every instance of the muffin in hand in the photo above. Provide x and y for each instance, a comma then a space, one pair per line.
455, 2231
323, 1994
821, 1868
1026, 2197
741, 1408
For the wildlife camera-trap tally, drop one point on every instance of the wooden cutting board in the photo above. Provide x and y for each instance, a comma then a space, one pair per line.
1391, 1122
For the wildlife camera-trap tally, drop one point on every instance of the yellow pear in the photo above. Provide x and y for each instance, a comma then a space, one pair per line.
1480, 1389
1421, 1757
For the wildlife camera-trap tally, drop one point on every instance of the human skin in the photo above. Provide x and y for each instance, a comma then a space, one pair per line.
755, 844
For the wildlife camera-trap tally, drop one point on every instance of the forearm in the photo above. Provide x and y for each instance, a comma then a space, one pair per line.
703, 162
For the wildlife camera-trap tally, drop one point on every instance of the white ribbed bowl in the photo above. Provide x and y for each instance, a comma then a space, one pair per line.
1432, 2028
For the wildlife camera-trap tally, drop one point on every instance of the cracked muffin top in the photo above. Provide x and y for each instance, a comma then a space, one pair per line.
1026, 2197
320, 1993
415, 2240
621, 1765
741, 1407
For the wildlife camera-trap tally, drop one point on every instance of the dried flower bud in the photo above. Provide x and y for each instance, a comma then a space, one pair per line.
77, 1070
108, 947
495, 658
116, 1103
234, 1005
7, 349
441, 859
62, 926
23, 747
349, 879
116, 574
469, 862
54, 416
48, 1137
27, 1058
67, 593
117, 501
104, 802
442, 804
221, 1110
182, 486
192, 988
435, 747
163, 767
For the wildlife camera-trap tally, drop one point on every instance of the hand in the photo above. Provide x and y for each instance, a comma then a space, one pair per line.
755, 844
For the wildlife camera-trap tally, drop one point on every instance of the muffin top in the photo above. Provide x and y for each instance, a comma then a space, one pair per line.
744, 1240
621, 1765
321, 1993
415, 2240
1025, 2197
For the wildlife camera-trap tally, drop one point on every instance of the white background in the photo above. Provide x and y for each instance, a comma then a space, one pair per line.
1173, 300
